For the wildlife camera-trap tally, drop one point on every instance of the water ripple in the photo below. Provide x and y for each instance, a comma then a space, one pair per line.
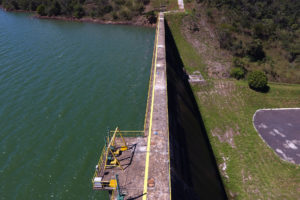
61, 85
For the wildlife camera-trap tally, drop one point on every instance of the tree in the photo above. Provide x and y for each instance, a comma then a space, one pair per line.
78, 11
41, 10
264, 30
225, 39
239, 62
54, 9
258, 80
237, 73
151, 17
255, 50
33, 5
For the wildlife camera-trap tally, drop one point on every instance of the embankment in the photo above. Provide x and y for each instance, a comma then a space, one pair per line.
194, 173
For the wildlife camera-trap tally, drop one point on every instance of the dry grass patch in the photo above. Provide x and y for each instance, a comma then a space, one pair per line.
226, 136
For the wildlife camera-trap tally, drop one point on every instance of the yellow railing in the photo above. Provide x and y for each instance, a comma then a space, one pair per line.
100, 162
110, 139
128, 134
152, 67
112, 197
111, 133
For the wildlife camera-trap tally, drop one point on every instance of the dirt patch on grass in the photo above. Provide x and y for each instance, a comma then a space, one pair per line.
224, 88
245, 176
227, 135
223, 167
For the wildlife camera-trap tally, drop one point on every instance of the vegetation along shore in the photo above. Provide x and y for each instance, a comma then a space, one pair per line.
133, 12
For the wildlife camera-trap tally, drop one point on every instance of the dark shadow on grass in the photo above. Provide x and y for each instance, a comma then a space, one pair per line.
265, 89
194, 172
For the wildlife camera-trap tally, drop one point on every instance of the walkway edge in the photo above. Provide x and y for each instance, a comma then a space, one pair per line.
150, 126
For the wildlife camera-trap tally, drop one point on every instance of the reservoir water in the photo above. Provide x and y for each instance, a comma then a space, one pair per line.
61, 85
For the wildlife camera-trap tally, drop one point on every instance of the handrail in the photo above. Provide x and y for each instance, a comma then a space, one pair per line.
128, 134
150, 79
100, 163
112, 195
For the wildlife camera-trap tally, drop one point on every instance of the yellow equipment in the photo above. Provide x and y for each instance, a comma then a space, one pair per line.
113, 183
124, 148
114, 162
113, 150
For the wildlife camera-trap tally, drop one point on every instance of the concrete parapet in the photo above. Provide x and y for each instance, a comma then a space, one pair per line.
157, 168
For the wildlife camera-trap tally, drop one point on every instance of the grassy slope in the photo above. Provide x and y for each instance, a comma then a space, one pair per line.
189, 56
170, 4
253, 170
276, 64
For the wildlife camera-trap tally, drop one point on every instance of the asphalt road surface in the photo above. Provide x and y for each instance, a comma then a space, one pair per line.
280, 129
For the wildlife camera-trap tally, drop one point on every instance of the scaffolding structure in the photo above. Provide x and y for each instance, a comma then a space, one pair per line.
112, 162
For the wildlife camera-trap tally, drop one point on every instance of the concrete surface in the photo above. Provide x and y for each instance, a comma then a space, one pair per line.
148, 175
158, 166
181, 4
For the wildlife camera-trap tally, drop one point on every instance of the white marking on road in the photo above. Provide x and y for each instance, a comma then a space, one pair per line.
290, 145
272, 133
285, 157
262, 125
279, 151
278, 133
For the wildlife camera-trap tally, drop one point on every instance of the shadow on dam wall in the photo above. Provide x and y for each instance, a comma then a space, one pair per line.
194, 173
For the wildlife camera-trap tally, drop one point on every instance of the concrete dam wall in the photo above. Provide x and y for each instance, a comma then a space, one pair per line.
194, 173
173, 159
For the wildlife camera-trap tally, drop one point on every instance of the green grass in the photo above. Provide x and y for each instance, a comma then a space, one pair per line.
227, 106
170, 4
191, 59
254, 170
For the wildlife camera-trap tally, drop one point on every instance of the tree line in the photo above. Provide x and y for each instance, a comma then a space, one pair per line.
263, 20
248, 27
111, 9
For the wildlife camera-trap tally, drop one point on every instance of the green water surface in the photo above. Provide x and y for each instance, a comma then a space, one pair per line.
61, 85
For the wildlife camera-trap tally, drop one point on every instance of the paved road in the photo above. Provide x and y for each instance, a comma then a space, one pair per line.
181, 4
280, 129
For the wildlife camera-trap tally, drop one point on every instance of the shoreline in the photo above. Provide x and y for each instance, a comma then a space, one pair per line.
137, 21
99, 21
